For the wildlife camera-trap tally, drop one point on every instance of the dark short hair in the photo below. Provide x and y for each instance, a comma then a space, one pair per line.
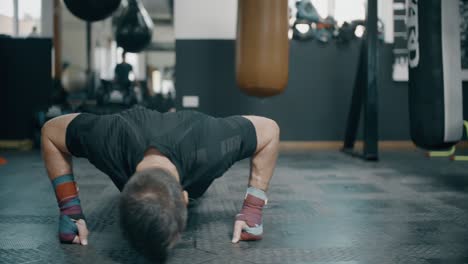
152, 212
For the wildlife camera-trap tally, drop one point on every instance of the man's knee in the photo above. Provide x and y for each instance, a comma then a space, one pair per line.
275, 129
54, 131
46, 130
271, 129
268, 131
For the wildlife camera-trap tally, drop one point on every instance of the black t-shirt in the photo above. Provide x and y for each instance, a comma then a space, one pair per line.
201, 147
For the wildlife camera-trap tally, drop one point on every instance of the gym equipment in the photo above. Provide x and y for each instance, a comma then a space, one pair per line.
435, 86
109, 93
306, 21
450, 152
92, 10
326, 29
134, 28
302, 30
321, 29
365, 93
307, 11
464, 33
118, 14
345, 33
73, 79
262, 47
358, 29
441, 153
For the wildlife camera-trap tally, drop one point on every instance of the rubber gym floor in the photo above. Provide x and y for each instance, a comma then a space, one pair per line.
324, 207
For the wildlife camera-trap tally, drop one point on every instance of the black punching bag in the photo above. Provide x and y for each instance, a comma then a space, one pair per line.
134, 27
435, 83
118, 14
92, 10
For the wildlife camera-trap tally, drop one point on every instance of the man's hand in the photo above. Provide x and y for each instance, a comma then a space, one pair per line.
73, 231
242, 232
82, 237
248, 225
72, 222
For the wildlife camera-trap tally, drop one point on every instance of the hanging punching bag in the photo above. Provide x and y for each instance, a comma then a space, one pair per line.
118, 14
435, 77
134, 27
92, 10
262, 47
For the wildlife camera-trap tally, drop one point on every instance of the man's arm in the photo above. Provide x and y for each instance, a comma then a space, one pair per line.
263, 161
58, 164
248, 224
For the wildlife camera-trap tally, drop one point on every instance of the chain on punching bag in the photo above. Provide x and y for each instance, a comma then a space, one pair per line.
92, 10
134, 27
262, 47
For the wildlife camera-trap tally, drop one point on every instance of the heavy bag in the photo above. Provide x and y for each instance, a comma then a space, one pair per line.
435, 86
118, 14
134, 28
262, 47
92, 10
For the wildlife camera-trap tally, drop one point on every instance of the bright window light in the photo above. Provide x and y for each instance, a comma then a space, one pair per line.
322, 7
156, 81
6, 8
359, 31
303, 28
29, 15
131, 76
167, 86
6, 17
349, 10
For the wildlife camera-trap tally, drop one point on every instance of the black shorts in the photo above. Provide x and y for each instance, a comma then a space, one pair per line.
77, 130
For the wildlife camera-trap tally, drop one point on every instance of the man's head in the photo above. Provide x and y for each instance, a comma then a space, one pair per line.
153, 212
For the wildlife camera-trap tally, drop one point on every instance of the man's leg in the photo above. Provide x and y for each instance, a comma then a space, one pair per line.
54, 150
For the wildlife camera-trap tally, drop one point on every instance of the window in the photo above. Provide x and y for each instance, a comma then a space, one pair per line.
7, 17
29, 17
349, 10
341, 10
156, 76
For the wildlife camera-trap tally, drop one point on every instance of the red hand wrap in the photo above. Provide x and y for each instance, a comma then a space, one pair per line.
251, 213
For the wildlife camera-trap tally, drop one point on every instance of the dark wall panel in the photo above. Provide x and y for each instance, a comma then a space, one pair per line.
316, 101
25, 84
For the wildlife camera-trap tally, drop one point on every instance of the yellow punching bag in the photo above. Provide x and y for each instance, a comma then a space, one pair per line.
262, 47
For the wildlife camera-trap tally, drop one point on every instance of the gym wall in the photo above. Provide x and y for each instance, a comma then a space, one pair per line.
316, 102
73, 39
